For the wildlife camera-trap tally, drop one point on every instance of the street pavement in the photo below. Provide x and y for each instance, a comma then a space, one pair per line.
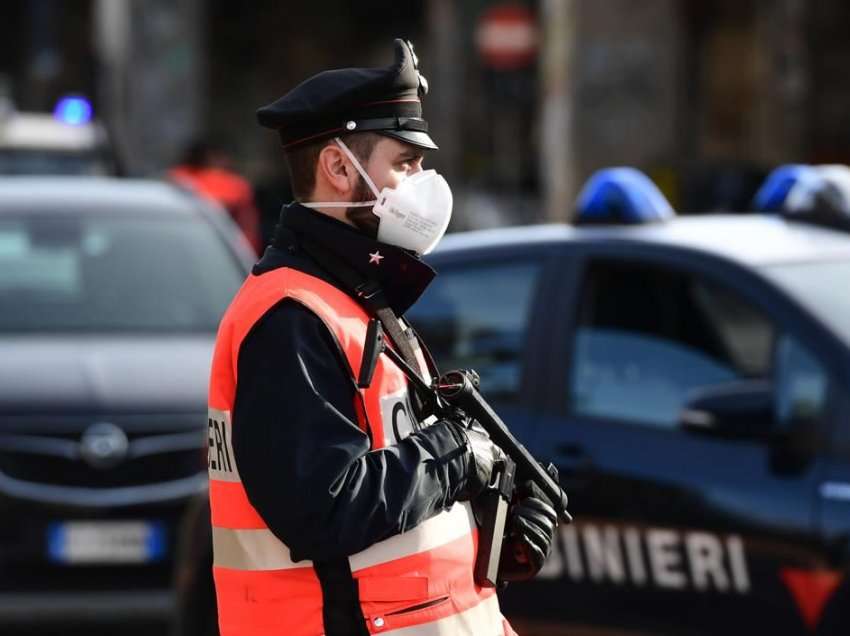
137, 628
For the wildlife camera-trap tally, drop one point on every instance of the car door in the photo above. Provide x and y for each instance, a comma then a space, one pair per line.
480, 313
681, 530
833, 585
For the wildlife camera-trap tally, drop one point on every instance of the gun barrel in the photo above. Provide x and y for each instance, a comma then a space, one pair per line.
457, 389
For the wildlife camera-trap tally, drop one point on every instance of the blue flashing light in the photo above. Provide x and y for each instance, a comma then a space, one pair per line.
621, 195
73, 110
774, 191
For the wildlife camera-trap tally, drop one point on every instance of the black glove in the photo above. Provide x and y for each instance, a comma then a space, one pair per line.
483, 453
529, 534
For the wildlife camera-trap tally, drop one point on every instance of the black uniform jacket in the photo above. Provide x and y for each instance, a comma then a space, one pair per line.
305, 463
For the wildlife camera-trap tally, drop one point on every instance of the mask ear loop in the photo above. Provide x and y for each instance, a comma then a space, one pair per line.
366, 178
359, 168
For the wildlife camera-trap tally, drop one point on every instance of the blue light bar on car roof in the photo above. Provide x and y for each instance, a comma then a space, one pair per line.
73, 110
774, 191
621, 195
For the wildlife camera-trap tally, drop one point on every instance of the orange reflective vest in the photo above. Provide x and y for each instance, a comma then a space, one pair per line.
260, 590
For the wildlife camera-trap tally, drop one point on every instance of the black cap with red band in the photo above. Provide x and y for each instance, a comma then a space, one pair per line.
384, 100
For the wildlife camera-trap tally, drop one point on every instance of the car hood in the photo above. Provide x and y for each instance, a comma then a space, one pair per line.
86, 374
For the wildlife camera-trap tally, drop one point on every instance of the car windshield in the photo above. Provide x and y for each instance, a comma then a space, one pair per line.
121, 273
822, 287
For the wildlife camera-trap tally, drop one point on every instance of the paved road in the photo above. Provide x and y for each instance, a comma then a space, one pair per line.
544, 628
118, 629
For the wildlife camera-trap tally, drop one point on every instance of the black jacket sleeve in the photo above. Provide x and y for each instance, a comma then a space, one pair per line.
307, 466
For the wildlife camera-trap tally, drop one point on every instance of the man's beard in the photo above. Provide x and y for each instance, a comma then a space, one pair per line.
363, 218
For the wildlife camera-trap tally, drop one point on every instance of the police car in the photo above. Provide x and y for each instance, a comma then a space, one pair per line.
68, 141
689, 378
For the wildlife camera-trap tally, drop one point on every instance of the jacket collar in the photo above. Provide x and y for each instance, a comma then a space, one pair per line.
402, 276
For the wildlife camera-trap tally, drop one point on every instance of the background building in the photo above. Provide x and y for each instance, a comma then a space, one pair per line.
705, 96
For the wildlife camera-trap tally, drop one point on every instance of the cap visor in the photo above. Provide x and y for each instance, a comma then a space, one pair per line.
415, 137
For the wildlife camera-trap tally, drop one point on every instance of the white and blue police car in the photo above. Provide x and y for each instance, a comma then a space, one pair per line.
689, 378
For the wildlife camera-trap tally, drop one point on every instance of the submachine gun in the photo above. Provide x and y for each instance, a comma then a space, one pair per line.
458, 391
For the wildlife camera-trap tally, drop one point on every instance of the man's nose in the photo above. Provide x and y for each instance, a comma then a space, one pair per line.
417, 167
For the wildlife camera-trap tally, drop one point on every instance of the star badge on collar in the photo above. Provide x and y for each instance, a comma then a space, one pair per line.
375, 258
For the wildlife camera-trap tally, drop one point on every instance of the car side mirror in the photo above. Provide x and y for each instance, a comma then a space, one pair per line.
734, 410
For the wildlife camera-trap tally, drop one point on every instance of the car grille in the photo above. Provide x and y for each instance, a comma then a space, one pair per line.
60, 458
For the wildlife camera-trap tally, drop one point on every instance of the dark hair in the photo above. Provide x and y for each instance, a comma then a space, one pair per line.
303, 158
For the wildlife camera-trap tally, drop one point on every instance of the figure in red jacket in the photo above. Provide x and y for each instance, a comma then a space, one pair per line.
206, 168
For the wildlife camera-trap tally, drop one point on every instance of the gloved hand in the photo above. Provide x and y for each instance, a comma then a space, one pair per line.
529, 533
483, 453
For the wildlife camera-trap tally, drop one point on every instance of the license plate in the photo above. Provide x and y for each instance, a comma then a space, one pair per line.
106, 542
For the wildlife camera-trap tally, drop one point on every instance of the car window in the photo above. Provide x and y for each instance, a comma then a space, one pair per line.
113, 273
476, 317
648, 337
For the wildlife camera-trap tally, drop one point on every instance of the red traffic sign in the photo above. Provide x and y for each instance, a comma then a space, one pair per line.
507, 36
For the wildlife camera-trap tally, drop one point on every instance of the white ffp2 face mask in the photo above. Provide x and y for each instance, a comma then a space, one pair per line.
414, 215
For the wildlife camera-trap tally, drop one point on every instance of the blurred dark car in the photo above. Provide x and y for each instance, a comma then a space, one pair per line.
110, 295
691, 381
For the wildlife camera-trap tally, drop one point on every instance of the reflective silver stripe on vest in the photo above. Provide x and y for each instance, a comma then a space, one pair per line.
436, 531
251, 550
484, 619
262, 550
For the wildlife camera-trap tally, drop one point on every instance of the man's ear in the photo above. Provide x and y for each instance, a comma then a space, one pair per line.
334, 168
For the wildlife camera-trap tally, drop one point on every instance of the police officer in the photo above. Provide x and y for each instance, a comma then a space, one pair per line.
336, 508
